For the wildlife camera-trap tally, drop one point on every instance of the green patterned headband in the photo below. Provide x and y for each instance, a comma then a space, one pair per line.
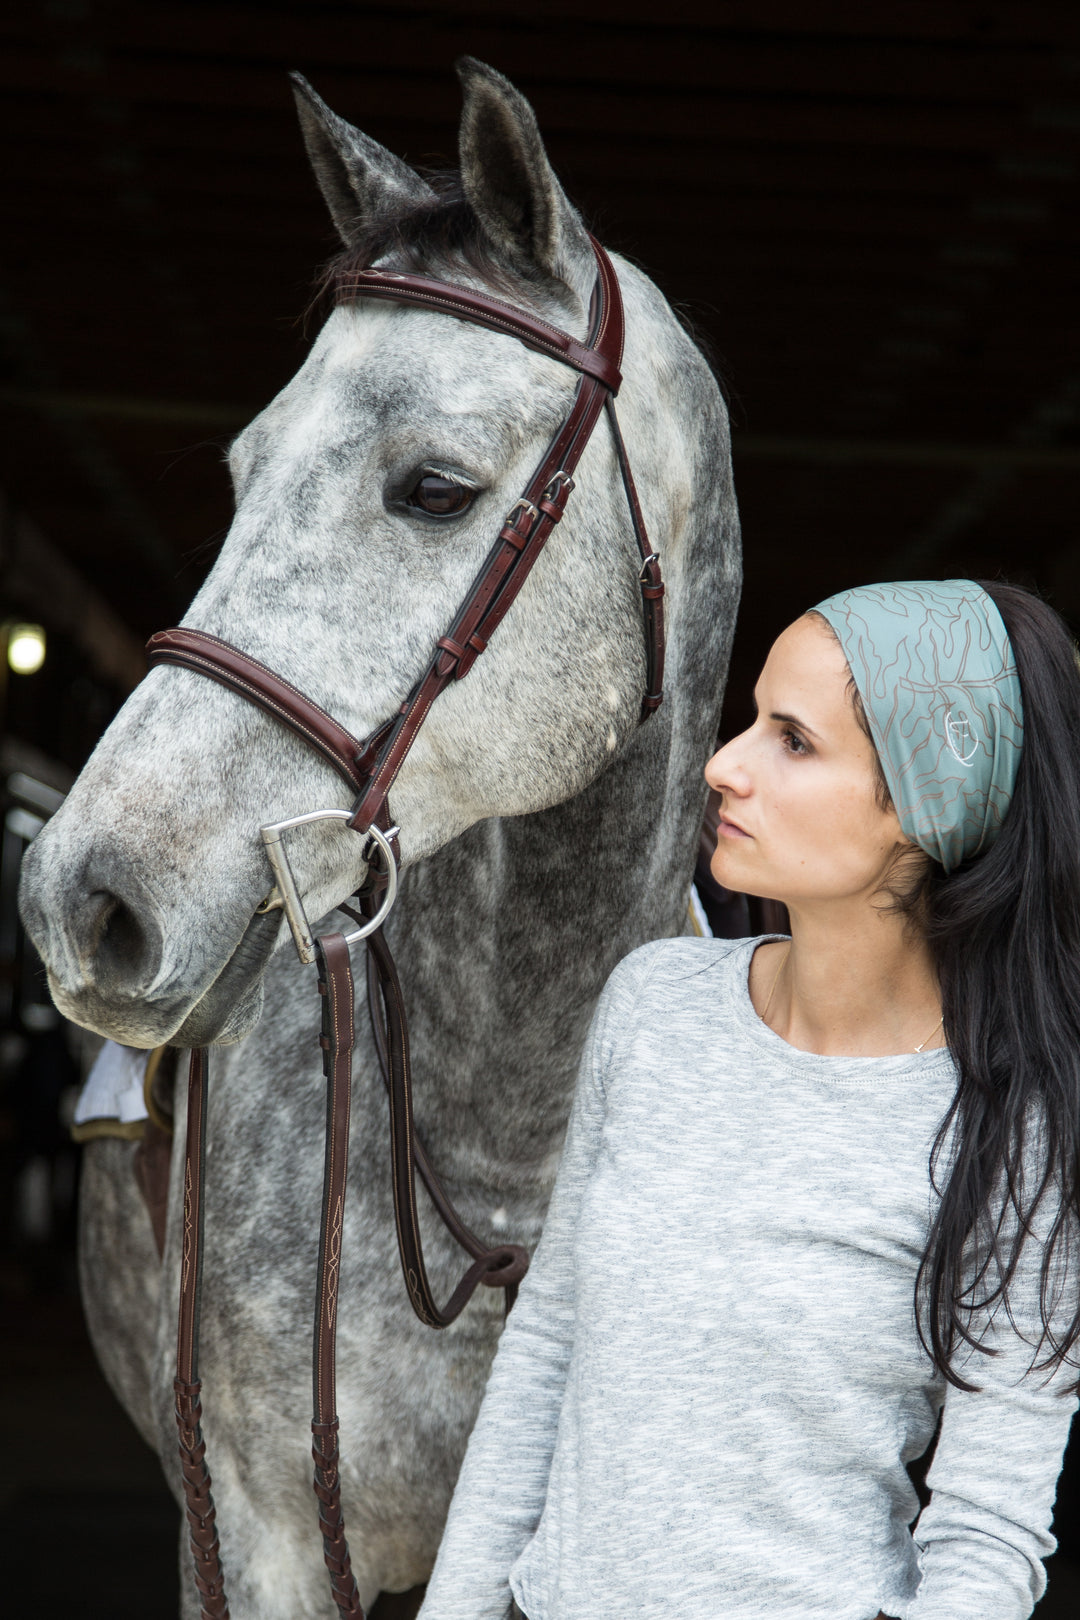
935, 670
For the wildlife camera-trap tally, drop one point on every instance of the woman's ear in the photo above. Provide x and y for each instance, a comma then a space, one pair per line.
905, 873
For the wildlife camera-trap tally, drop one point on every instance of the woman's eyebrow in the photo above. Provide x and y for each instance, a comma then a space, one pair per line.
793, 720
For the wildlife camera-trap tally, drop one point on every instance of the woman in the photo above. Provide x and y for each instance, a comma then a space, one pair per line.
819, 1193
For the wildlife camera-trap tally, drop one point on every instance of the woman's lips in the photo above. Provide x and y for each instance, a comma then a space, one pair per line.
728, 829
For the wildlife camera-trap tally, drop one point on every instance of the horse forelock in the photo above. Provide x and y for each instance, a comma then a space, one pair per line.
440, 237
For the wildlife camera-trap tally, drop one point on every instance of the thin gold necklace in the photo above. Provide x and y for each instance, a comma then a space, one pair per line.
776, 981
932, 1033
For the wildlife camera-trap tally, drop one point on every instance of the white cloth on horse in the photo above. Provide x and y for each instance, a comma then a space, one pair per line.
114, 1086
699, 921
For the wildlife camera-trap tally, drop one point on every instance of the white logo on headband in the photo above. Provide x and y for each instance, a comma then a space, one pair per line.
961, 736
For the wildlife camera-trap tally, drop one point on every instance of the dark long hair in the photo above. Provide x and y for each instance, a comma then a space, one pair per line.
1004, 931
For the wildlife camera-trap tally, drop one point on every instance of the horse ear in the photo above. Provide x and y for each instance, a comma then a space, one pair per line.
358, 178
506, 176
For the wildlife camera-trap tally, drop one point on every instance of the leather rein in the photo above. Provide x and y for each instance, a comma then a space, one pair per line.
370, 768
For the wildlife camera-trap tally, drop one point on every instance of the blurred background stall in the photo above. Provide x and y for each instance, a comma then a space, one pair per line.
869, 214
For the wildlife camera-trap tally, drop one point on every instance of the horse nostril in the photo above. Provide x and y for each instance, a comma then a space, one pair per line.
119, 935
120, 949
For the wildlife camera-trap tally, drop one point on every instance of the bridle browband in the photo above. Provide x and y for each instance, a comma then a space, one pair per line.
370, 767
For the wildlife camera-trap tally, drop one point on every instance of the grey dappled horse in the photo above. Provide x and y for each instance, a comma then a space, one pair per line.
545, 833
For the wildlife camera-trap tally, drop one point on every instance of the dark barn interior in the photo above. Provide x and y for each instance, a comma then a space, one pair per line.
869, 214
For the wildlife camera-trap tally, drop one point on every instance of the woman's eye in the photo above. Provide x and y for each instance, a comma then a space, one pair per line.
794, 743
441, 497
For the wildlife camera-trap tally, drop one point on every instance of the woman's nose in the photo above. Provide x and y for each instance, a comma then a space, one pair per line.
725, 771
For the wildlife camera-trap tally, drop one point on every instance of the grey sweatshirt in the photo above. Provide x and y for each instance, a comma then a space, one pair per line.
704, 1399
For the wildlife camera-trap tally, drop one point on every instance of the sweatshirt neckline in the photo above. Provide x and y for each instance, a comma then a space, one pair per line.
847, 1071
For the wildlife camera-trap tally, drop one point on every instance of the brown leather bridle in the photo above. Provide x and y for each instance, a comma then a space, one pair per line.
370, 768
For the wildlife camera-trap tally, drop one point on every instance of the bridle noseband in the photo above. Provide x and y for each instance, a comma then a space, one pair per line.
370, 768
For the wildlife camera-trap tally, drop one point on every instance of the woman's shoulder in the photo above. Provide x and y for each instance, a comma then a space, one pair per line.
685, 963
679, 987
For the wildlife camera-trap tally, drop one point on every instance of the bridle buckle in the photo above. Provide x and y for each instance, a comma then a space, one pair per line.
521, 507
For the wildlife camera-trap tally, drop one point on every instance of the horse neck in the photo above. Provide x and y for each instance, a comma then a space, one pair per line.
505, 937
504, 940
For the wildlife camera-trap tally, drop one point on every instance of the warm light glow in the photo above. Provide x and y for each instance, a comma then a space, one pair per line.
26, 648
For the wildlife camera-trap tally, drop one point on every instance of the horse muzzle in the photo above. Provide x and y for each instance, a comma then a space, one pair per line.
116, 966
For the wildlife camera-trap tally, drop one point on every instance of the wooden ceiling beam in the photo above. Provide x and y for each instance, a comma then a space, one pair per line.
674, 116
368, 43
892, 22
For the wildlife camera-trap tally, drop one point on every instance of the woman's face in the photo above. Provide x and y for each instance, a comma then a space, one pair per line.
799, 816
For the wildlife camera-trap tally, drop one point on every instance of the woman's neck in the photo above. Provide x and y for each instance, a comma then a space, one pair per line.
854, 982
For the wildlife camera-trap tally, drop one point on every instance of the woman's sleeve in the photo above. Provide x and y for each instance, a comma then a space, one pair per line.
502, 1487
986, 1531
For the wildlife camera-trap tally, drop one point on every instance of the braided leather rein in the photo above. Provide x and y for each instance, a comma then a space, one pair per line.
370, 768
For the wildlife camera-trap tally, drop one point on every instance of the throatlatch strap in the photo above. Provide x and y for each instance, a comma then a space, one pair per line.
652, 585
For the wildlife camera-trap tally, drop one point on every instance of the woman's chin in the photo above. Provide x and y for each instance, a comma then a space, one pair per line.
728, 870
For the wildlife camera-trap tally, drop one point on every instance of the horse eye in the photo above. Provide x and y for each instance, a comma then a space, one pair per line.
442, 497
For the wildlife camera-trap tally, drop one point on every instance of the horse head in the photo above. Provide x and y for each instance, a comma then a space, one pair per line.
368, 493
